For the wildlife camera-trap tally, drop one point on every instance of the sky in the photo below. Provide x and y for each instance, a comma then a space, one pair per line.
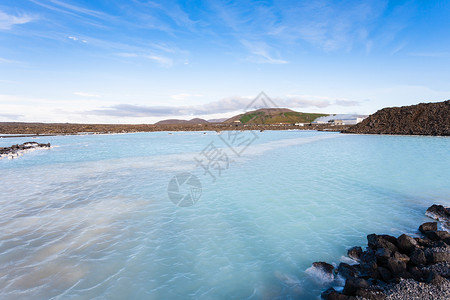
135, 61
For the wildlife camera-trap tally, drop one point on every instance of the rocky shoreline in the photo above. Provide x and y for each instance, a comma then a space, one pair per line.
17, 150
405, 267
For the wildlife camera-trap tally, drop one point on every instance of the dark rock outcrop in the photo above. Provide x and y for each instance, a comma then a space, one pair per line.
420, 119
406, 243
390, 264
428, 227
438, 212
15, 150
347, 271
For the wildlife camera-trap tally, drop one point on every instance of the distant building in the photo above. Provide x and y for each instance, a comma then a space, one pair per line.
299, 124
340, 119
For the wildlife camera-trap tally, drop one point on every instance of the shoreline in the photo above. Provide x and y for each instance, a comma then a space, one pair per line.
403, 267
33, 130
57, 129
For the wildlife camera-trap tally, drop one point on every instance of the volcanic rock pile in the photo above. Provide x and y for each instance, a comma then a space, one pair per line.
420, 119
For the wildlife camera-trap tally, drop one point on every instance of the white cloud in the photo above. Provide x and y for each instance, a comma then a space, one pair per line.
67, 8
8, 21
227, 105
262, 53
162, 60
76, 39
88, 95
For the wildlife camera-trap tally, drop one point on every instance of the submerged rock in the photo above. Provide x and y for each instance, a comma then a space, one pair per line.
439, 212
17, 150
324, 267
355, 253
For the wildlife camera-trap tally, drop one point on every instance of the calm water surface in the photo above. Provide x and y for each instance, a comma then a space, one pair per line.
91, 217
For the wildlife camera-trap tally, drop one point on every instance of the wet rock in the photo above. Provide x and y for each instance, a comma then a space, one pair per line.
423, 242
439, 236
353, 284
438, 212
400, 256
418, 257
323, 266
17, 150
383, 254
348, 271
332, 294
382, 241
406, 243
369, 264
429, 226
385, 274
355, 253
396, 266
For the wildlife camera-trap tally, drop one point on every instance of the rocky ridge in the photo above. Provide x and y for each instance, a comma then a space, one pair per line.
421, 119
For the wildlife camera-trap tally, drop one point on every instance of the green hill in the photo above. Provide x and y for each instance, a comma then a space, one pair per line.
267, 116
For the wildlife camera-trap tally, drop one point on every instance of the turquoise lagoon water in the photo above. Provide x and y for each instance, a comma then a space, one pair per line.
91, 217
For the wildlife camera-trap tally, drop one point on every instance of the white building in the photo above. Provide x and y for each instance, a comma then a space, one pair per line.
340, 119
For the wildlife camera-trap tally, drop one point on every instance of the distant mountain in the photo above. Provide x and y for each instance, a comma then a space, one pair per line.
181, 122
268, 116
420, 119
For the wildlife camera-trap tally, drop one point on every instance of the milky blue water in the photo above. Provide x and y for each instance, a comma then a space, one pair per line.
91, 217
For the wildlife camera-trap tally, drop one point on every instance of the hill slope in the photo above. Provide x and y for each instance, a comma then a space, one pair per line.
420, 119
180, 122
268, 116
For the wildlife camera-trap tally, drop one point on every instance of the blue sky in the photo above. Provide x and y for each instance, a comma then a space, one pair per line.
141, 61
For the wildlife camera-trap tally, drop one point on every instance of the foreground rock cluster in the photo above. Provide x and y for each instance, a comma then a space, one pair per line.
17, 150
403, 267
420, 119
